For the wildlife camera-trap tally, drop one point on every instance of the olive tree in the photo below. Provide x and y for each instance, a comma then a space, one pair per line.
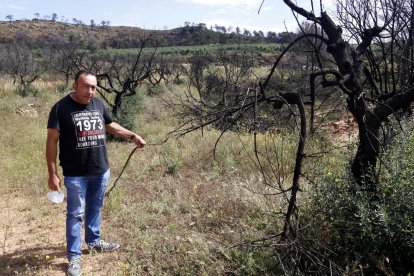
22, 63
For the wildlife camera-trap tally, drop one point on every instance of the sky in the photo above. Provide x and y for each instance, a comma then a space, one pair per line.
163, 14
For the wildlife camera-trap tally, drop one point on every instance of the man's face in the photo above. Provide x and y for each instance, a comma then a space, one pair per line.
85, 89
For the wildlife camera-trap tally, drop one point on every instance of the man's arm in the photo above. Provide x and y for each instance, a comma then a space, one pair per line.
51, 156
122, 132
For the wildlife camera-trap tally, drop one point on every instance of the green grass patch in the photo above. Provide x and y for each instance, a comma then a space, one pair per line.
263, 48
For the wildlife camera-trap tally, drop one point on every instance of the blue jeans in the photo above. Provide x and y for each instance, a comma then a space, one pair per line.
85, 197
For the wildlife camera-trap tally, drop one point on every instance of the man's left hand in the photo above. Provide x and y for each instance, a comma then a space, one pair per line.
138, 140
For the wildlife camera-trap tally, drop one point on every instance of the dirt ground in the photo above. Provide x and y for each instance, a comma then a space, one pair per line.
32, 240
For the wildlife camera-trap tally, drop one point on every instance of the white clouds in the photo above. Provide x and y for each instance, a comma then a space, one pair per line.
16, 8
250, 3
251, 25
272, 16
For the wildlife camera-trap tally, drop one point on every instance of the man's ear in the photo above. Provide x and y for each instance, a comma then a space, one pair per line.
74, 86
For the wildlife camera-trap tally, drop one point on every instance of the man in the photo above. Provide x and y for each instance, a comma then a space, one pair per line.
78, 122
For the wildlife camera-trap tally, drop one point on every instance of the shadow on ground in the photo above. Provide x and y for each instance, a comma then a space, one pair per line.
31, 260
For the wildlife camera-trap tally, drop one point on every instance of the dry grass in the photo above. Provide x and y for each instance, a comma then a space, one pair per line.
23, 133
176, 210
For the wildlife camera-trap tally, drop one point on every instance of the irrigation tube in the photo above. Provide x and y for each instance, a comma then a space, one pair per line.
123, 169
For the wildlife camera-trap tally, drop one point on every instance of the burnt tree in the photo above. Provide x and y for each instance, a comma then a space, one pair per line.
375, 73
120, 76
20, 61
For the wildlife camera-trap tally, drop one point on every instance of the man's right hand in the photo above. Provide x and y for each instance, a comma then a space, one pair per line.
51, 154
54, 183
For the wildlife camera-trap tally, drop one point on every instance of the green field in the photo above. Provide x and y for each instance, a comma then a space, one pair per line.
263, 48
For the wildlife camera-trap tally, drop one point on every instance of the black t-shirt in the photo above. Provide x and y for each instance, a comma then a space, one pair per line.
82, 140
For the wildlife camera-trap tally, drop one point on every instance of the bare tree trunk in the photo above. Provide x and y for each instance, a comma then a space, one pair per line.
294, 98
351, 70
365, 159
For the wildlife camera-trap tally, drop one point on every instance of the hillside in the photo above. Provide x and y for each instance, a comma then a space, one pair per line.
115, 37
37, 29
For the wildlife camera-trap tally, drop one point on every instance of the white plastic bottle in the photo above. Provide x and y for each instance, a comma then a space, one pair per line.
55, 196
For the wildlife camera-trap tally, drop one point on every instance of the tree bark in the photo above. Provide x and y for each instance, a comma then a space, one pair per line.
295, 99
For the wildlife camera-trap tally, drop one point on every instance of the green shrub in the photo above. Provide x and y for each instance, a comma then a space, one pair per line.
62, 88
27, 90
178, 81
127, 115
367, 231
154, 90
253, 261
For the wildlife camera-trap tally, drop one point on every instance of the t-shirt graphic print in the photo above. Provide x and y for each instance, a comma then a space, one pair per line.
82, 139
89, 127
